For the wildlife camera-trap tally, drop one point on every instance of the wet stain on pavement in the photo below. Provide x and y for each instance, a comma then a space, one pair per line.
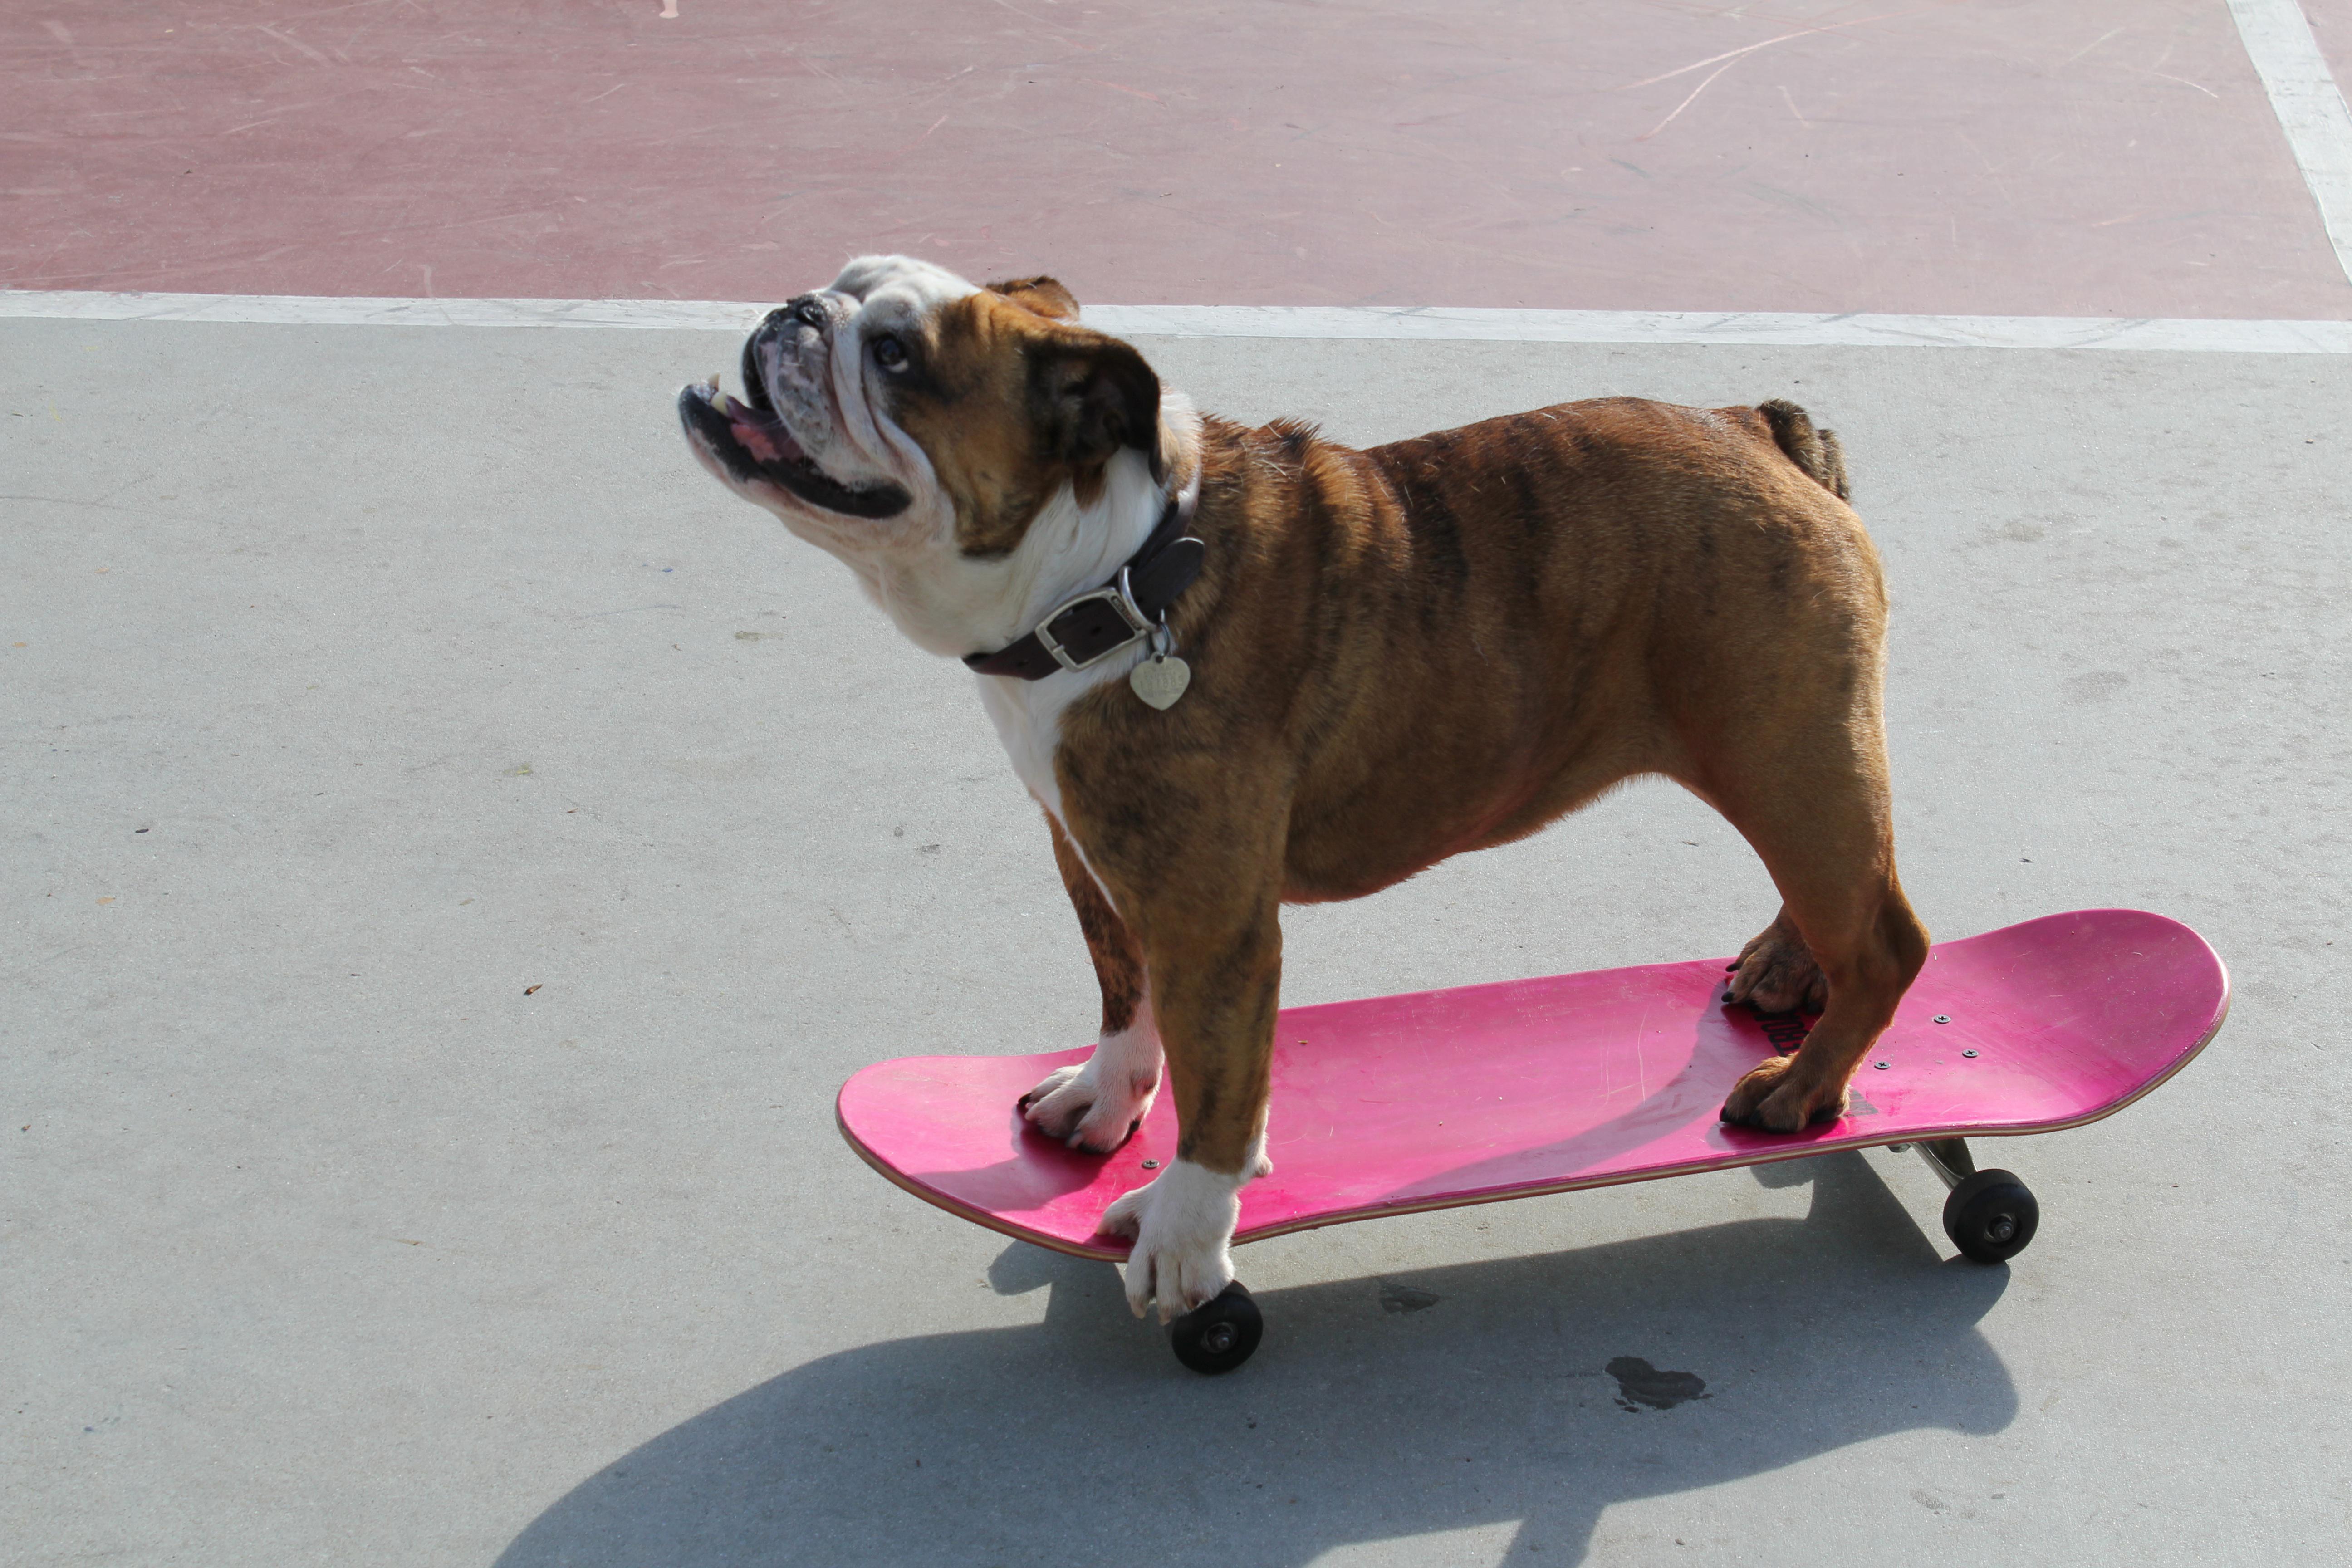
1641, 1385
1395, 1298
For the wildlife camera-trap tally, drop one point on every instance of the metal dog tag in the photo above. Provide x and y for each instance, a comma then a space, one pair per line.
1160, 680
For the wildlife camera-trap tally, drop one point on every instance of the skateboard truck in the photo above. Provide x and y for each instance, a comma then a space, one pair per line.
1989, 1214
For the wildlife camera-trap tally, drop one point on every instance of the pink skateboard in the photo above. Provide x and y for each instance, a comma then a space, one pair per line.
1444, 1098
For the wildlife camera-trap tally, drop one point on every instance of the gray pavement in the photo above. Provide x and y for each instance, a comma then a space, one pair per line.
358, 679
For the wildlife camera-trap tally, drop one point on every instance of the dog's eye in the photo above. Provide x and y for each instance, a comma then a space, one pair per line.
890, 353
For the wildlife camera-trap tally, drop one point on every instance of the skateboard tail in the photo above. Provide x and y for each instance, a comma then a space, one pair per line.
1110, 1250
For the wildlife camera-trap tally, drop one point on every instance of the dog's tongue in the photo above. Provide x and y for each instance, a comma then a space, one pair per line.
762, 435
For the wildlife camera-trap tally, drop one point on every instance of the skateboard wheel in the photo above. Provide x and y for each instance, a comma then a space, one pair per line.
1220, 1336
1991, 1216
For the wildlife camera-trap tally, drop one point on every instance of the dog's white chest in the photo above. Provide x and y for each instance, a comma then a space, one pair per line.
1028, 719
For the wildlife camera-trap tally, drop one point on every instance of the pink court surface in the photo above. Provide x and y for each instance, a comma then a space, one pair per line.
2114, 158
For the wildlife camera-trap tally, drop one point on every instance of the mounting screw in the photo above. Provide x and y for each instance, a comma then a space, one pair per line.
1151, 1165
1943, 1017
1969, 1054
1880, 1066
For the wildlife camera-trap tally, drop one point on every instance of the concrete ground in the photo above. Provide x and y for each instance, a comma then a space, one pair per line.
530, 1240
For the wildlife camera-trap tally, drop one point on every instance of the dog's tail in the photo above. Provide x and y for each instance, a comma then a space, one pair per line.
1812, 449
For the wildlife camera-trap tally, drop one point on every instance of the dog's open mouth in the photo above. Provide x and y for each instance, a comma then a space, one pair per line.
752, 444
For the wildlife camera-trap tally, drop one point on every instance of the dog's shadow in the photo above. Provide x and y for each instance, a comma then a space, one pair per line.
1531, 1392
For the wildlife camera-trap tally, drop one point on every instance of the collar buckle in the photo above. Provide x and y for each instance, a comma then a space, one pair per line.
1120, 597
1163, 568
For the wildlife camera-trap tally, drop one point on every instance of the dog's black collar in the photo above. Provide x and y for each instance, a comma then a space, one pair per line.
1089, 628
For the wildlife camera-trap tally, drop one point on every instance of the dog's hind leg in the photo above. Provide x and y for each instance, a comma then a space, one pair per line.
1818, 814
1094, 1105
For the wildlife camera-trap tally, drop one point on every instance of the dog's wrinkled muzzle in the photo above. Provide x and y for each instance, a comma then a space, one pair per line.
760, 351
745, 444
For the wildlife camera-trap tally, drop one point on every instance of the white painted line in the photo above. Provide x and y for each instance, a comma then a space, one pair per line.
1416, 324
2309, 106
334, 310
1759, 328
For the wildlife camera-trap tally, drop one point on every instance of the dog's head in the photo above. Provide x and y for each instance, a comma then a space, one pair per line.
951, 443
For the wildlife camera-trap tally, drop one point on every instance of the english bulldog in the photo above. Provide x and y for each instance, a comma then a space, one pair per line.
1240, 667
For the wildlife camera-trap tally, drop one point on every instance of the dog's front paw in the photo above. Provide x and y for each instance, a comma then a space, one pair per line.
1777, 1098
1184, 1228
1093, 1105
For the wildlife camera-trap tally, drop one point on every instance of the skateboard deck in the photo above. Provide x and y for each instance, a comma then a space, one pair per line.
1438, 1099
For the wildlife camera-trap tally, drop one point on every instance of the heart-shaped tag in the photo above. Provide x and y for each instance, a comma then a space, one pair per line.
1161, 680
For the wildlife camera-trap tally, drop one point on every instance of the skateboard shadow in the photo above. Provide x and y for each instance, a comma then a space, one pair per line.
1531, 1392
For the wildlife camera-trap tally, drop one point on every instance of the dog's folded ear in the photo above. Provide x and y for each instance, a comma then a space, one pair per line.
1091, 396
1045, 296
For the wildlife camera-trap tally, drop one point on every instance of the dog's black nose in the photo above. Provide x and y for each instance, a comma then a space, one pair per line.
808, 310
773, 338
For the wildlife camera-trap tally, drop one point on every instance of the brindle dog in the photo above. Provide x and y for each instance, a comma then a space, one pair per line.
1396, 654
